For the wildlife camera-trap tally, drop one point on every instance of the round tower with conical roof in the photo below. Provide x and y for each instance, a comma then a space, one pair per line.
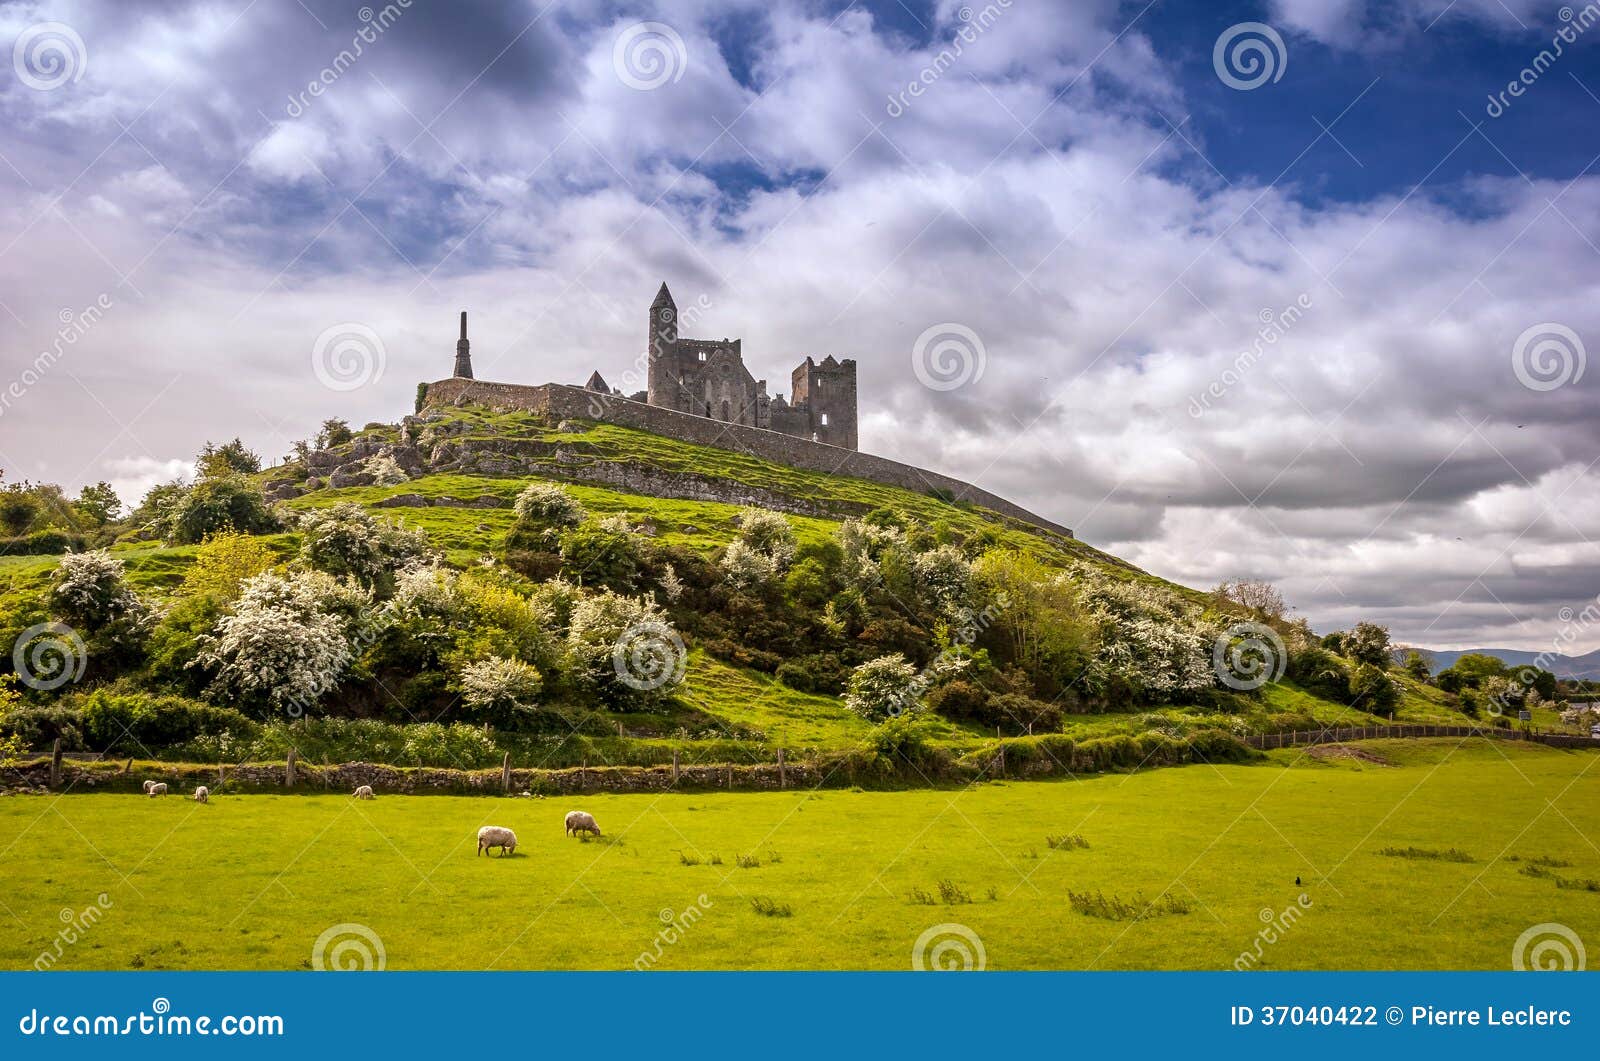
660, 385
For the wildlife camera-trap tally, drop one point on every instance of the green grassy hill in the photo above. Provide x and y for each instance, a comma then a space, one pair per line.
454, 475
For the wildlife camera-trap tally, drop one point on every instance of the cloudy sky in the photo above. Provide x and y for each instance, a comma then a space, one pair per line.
1054, 258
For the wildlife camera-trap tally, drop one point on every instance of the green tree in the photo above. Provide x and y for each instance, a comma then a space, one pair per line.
1474, 667
99, 503
334, 432
212, 506
1368, 643
19, 509
1416, 665
1372, 690
230, 458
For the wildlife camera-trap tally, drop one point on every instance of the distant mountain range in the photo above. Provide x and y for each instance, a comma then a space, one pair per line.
1585, 666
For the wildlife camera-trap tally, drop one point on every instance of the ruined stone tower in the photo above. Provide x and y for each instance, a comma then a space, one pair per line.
827, 390
463, 352
708, 377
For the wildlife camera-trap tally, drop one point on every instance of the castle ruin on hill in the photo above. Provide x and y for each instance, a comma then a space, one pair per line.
708, 377
700, 392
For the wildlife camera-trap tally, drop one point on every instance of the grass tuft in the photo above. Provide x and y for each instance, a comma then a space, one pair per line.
768, 907
1066, 842
952, 893
1115, 908
1449, 854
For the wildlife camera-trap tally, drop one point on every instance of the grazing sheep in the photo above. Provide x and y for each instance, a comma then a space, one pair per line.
148, 785
157, 788
364, 792
202, 795
581, 822
497, 836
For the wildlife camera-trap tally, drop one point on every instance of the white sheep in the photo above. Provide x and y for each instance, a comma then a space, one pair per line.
202, 794
581, 822
364, 792
497, 836
148, 785
157, 788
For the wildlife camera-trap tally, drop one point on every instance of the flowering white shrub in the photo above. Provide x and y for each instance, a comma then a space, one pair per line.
1159, 658
744, 567
501, 686
385, 470
1152, 643
623, 647
348, 540
767, 533
882, 688
671, 584
944, 578
548, 505
282, 646
91, 593
764, 548
863, 544
427, 589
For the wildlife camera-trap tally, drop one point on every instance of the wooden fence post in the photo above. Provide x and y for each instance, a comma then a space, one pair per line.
619, 728
583, 776
288, 768
55, 764
674, 766
505, 773
782, 778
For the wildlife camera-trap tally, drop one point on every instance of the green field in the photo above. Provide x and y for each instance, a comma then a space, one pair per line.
251, 881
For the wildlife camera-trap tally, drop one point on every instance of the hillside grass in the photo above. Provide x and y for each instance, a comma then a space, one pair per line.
747, 711
250, 882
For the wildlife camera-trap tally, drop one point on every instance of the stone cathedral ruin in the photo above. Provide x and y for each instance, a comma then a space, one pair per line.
699, 391
708, 377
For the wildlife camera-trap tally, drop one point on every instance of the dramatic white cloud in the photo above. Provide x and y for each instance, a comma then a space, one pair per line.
1374, 452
